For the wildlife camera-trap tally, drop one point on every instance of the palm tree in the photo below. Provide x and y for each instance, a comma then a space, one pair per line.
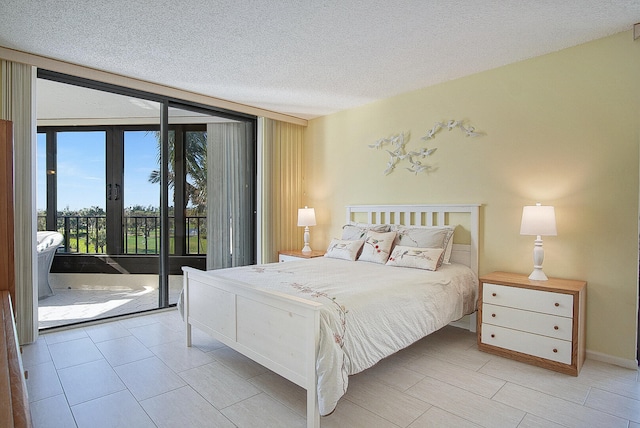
195, 167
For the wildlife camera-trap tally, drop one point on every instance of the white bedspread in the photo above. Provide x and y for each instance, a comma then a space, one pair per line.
370, 310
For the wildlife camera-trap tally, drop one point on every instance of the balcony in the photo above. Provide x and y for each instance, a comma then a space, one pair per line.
90, 283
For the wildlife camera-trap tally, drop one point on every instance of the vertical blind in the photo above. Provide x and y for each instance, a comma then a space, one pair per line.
18, 105
282, 187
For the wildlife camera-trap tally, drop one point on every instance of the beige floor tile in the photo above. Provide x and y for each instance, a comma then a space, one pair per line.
263, 411
547, 381
348, 414
155, 334
238, 363
149, 377
35, 353
108, 331
384, 401
614, 404
52, 412
43, 382
203, 341
180, 357
219, 385
123, 350
438, 418
471, 358
74, 352
118, 410
531, 421
183, 407
286, 392
483, 411
64, 335
469, 380
556, 410
87, 381
395, 375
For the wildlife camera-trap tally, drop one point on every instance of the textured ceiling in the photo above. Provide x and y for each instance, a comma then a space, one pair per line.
300, 57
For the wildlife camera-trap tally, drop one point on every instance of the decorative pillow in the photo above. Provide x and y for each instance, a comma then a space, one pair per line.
416, 257
424, 236
377, 247
448, 249
353, 231
344, 249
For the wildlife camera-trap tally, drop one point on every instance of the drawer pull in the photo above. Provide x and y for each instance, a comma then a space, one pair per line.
557, 304
493, 335
26, 374
555, 351
555, 327
493, 315
494, 294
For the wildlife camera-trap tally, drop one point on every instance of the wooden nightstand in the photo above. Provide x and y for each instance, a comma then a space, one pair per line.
537, 322
289, 255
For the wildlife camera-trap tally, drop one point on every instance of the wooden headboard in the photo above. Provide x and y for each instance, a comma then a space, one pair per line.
466, 218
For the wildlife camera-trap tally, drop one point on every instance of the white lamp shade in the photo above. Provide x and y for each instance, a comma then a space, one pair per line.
306, 217
538, 220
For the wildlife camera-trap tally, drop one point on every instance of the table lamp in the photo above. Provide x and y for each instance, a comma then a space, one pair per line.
539, 221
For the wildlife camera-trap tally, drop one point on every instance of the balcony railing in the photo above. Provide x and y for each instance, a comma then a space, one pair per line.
87, 234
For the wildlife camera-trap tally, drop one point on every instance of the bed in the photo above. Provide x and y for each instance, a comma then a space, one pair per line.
312, 323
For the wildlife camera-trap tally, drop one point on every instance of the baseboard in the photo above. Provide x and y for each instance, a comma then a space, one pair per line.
616, 361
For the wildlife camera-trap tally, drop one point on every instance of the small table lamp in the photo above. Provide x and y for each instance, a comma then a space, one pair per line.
539, 221
306, 218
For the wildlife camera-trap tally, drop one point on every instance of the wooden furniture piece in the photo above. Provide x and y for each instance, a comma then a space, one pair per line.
14, 403
537, 322
285, 337
289, 255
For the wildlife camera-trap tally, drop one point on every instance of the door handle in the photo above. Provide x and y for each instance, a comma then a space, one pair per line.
108, 192
117, 193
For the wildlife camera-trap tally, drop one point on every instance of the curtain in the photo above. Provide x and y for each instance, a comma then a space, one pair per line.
18, 105
282, 190
230, 176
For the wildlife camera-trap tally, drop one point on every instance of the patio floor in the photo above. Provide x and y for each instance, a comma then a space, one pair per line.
87, 297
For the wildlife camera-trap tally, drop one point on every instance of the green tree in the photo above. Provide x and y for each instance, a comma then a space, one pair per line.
195, 167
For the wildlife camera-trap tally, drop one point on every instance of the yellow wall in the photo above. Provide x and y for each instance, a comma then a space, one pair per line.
561, 129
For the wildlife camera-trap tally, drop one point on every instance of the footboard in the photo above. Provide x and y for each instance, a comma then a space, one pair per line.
276, 330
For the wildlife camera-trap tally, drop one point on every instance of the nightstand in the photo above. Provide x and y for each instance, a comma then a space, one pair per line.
289, 255
537, 322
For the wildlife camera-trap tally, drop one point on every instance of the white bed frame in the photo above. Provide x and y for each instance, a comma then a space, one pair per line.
281, 331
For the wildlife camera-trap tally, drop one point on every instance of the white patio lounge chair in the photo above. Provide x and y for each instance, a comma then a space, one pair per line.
48, 242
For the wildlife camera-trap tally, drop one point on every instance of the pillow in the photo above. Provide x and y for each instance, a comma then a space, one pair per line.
448, 249
416, 257
353, 231
424, 236
377, 247
344, 249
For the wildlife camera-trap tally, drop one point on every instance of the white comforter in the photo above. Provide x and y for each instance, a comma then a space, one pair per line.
370, 310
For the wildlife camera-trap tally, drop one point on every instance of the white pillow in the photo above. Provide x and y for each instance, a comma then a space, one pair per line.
344, 249
415, 257
426, 237
377, 247
353, 231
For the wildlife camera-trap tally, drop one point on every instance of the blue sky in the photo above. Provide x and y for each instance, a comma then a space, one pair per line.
81, 171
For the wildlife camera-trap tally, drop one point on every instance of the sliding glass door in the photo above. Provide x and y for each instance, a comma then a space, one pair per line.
106, 160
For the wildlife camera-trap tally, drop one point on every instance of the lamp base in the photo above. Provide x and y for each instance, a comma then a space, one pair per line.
306, 248
538, 275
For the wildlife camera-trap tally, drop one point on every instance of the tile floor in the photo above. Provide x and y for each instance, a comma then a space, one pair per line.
137, 372
85, 297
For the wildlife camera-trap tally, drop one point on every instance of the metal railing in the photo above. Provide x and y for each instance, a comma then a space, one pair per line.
87, 234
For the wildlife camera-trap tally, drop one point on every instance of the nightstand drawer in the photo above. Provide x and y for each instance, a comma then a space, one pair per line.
527, 343
531, 322
285, 258
530, 300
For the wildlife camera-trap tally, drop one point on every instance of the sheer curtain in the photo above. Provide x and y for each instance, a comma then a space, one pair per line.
282, 190
18, 105
230, 210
